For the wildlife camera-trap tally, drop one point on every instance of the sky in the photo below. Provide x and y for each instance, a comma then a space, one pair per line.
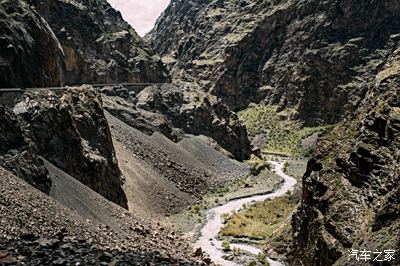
141, 14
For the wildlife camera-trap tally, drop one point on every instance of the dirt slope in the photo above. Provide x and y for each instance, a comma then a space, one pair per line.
149, 193
88, 203
163, 177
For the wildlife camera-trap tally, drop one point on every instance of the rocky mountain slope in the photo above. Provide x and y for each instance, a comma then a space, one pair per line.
105, 50
70, 129
315, 57
351, 188
178, 110
162, 177
25, 34
38, 230
56, 50
19, 154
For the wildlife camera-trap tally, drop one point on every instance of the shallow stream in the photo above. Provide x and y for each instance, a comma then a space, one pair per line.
209, 241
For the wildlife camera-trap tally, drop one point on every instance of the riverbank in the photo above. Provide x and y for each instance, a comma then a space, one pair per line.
190, 221
209, 241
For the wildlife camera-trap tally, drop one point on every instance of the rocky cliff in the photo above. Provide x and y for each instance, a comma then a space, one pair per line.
316, 57
71, 131
178, 110
351, 194
99, 46
18, 153
30, 54
50, 43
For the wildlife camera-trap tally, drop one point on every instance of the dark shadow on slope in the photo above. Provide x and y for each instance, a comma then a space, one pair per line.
75, 195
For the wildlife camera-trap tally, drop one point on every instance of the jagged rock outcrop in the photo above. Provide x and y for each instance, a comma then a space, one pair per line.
30, 54
99, 46
175, 111
18, 154
351, 191
316, 57
71, 131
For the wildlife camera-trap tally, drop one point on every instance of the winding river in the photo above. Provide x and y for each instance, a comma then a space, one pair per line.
208, 240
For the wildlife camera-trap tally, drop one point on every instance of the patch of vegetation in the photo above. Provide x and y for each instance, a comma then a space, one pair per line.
261, 220
252, 263
281, 135
257, 165
226, 245
262, 258
189, 221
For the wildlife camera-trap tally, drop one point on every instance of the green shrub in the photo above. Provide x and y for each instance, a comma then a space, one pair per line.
252, 263
226, 246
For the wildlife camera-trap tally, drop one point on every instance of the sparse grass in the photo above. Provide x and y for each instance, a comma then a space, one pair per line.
250, 185
257, 165
260, 220
262, 259
282, 135
226, 245
188, 221
252, 263
225, 216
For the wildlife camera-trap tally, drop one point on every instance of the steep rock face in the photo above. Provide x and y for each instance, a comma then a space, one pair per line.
70, 131
18, 154
30, 54
315, 56
351, 194
99, 46
175, 111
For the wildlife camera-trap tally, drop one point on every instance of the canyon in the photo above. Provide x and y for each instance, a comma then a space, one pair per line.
115, 149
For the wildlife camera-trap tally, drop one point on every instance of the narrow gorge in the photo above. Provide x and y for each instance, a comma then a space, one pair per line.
235, 132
